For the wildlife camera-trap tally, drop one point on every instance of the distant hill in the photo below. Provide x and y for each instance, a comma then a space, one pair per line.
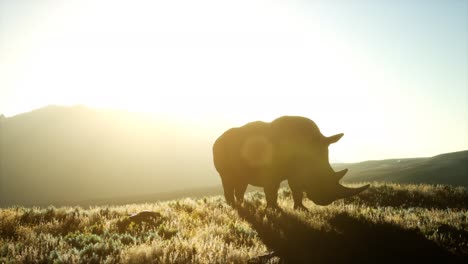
68, 155
449, 168
446, 169
59, 154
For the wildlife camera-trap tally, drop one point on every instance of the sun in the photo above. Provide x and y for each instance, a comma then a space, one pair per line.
194, 61
219, 64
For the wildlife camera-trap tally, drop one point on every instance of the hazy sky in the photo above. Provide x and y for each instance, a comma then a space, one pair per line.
391, 75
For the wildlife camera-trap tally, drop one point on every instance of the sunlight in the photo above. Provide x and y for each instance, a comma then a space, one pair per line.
131, 130
218, 64
210, 60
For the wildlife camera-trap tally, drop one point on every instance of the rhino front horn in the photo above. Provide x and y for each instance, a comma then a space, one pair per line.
331, 194
333, 139
343, 192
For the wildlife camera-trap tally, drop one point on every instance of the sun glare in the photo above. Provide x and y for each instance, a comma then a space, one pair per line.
221, 62
207, 59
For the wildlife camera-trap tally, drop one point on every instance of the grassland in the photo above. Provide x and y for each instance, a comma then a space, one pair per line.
386, 220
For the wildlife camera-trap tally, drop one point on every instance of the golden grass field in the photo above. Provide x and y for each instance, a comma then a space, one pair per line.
386, 220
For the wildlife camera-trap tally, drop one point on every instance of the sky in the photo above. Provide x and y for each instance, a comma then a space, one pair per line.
391, 75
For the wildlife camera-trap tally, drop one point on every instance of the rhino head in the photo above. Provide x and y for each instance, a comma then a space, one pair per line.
324, 191
317, 178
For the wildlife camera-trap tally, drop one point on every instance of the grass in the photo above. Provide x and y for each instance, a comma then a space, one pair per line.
386, 220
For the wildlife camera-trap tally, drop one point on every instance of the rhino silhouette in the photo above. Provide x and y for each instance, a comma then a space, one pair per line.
289, 148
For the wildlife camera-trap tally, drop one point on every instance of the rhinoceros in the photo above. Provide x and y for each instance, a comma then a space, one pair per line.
289, 148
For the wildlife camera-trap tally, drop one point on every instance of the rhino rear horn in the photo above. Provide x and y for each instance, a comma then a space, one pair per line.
333, 139
340, 174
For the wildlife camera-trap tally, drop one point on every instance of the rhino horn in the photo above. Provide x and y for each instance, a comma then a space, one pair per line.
340, 174
343, 192
333, 139
332, 193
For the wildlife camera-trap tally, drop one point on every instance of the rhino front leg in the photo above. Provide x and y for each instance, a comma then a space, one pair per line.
228, 187
297, 197
240, 191
271, 194
297, 194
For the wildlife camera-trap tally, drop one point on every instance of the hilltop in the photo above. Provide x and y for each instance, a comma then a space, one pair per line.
61, 155
387, 220
79, 155
448, 168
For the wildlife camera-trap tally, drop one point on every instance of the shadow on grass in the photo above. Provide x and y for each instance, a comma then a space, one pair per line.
350, 239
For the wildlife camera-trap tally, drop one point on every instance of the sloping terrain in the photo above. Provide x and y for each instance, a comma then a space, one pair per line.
61, 155
387, 220
449, 168
445, 169
79, 155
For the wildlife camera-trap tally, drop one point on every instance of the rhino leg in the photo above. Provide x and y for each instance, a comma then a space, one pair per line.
228, 187
297, 197
271, 194
240, 191
297, 194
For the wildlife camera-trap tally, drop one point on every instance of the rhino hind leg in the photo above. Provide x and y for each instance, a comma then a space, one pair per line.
240, 191
271, 194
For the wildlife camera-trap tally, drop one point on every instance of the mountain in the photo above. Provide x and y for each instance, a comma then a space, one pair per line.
57, 154
79, 155
446, 169
449, 168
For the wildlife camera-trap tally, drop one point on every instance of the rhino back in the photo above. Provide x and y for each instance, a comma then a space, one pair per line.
239, 148
295, 128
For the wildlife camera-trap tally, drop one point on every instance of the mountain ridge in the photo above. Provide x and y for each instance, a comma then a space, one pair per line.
77, 154
430, 170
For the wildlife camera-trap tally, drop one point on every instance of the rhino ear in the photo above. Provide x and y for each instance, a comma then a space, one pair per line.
334, 138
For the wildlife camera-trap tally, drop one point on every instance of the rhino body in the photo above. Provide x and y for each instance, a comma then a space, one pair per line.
289, 148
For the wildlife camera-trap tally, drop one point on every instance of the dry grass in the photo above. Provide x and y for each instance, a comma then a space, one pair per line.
387, 219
